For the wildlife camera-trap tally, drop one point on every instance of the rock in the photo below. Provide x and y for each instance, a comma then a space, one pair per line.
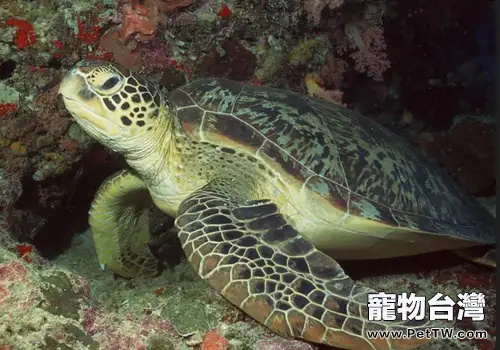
467, 152
39, 309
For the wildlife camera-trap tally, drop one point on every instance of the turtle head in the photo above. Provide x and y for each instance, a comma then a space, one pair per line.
112, 104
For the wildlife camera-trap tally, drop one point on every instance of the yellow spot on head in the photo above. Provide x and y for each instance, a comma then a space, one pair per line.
18, 147
407, 117
5, 142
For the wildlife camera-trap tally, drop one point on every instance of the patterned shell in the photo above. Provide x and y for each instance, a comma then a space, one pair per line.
357, 164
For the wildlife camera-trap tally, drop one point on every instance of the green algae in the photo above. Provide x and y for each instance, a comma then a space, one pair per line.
189, 313
159, 342
241, 335
72, 335
178, 295
59, 295
8, 94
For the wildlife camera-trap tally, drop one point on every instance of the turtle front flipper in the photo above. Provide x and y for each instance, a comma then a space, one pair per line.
247, 251
119, 222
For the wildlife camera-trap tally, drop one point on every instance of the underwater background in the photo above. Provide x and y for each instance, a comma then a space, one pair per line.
424, 69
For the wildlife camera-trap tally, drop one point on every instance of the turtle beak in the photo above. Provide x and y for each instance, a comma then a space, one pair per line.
84, 105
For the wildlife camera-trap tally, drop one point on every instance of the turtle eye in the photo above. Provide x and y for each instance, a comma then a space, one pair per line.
110, 83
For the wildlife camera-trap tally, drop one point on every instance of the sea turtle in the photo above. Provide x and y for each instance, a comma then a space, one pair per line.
266, 186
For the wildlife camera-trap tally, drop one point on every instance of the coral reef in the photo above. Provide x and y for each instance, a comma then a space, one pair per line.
69, 303
10, 191
423, 69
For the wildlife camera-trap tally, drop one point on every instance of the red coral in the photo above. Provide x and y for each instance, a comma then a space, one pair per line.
90, 35
24, 251
225, 11
25, 34
213, 341
60, 47
7, 108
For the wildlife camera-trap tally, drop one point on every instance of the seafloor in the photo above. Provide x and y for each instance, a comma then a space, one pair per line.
70, 303
423, 69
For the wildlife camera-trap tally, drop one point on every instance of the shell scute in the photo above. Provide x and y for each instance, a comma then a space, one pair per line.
269, 153
211, 95
369, 209
293, 131
334, 193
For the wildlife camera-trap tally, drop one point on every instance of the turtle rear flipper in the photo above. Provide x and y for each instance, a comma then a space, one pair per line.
483, 255
248, 252
119, 220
